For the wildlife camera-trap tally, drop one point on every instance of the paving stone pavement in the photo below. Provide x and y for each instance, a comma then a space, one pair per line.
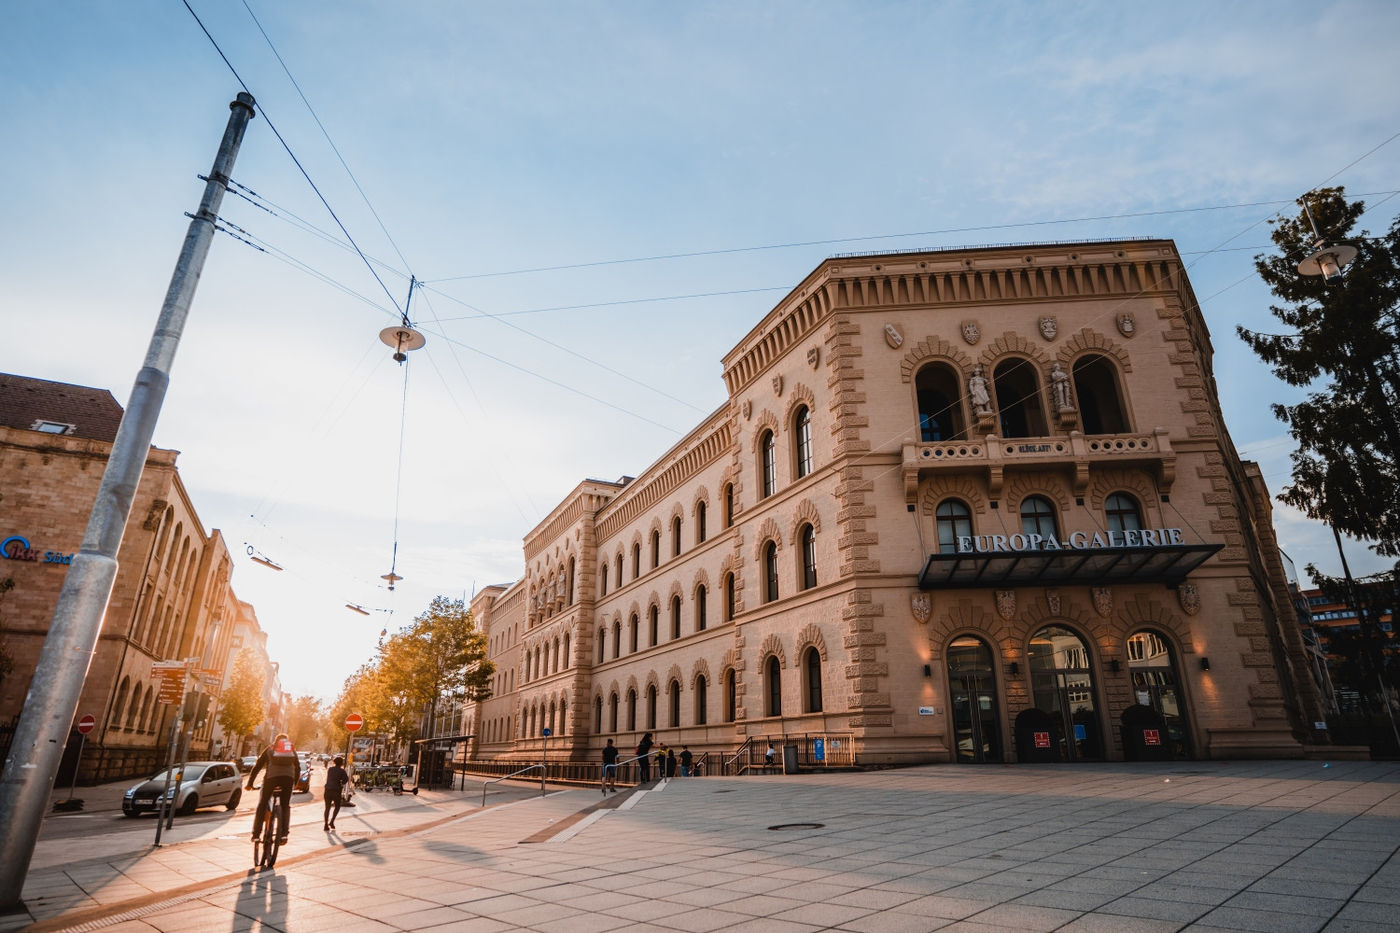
1126, 848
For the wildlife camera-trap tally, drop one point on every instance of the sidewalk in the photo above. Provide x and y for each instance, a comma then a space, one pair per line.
1140, 848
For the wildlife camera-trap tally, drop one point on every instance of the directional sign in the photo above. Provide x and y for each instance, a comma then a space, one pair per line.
354, 722
86, 724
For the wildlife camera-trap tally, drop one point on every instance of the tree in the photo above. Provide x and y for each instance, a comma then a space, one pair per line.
1341, 343
241, 706
304, 722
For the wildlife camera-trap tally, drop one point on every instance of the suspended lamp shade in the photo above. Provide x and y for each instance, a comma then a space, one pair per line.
403, 339
1328, 261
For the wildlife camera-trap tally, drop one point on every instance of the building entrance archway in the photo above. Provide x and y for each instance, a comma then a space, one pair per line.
972, 698
1157, 683
1062, 685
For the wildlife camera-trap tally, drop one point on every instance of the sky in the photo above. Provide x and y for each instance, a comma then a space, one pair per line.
602, 199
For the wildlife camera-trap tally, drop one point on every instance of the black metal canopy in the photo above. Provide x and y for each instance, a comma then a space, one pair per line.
1167, 564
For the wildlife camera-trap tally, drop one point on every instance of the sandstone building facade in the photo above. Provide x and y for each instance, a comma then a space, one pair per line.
974, 504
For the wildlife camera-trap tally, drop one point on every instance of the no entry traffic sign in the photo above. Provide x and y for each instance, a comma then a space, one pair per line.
354, 722
86, 724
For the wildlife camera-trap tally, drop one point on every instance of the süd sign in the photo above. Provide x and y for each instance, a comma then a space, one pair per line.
17, 547
1078, 541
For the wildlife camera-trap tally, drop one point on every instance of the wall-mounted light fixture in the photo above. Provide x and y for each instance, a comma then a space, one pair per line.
1205, 663
928, 670
1113, 665
1015, 668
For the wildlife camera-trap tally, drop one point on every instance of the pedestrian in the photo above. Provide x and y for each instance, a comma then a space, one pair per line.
770, 757
661, 761
644, 757
336, 779
670, 762
609, 766
686, 759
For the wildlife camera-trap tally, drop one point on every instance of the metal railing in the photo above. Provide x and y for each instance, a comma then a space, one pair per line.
498, 780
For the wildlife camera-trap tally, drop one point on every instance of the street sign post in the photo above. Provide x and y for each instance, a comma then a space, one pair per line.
353, 723
84, 725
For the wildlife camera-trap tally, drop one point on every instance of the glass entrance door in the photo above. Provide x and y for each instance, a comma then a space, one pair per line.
1062, 685
1153, 669
973, 702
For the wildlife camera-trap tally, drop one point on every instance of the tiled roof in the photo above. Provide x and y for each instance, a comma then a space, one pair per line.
25, 402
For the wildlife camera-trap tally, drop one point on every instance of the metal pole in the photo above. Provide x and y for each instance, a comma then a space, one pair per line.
73, 789
33, 759
167, 804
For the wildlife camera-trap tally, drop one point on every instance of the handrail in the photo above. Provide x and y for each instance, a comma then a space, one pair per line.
737, 752
511, 775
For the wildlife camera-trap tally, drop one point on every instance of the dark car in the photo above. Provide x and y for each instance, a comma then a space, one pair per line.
198, 784
303, 782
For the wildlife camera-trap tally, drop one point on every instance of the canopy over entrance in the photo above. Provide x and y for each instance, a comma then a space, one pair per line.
1167, 564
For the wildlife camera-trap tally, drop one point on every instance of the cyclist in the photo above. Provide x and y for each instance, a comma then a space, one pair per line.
283, 766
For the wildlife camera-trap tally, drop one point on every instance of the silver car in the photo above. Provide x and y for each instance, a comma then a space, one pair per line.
198, 784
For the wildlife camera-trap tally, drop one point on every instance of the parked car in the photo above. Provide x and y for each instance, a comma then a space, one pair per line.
199, 784
303, 782
245, 764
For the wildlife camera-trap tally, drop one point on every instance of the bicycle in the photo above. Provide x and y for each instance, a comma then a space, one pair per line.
267, 843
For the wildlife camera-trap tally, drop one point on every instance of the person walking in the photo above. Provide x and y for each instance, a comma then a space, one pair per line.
336, 779
686, 759
610, 767
670, 762
644, 757
661, 761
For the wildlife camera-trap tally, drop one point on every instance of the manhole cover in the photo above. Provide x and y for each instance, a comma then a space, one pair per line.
791, 826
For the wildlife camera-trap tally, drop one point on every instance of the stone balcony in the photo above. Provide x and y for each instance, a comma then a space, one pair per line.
1074, 454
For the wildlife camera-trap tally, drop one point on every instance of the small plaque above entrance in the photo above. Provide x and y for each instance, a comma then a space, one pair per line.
927, 711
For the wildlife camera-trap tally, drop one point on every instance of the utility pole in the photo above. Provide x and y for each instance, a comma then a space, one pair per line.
44, 721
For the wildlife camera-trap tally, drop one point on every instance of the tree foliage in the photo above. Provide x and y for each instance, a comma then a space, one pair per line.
304, 721
241, 706
1340, 342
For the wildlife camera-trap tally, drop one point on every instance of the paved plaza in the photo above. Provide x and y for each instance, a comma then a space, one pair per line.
1270, 846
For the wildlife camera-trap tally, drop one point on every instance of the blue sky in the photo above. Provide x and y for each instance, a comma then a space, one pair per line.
492, 138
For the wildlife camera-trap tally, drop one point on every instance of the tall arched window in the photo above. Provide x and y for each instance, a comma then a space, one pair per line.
775, 686
612, 711
812, 674
768, 464
730, 695
808, 539
631, 710
632, 633
651, 706
652, 624
728, 505
702, 715
676, 536
569, 584
1101, 407
939, 392
770, 571
673, 690
802, 435
675, 617
598, 715
115, 721
1038, 517
619, 570
655, 549
602, 644
566, 660
954, 521
700, 621
1018, 399
1121, 513
617, 639
636, 560
729, 599
700, 522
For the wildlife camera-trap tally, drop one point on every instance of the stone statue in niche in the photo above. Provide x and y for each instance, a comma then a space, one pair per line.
893, 337
1103, 600
1059, 387
977, 391
1006, 604
971, 333
1126, 326
1189, 597
921, 604
1049, 327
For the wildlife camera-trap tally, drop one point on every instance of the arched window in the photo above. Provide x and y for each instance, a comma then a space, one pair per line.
618, 577
676, 536
700, 522
569, 584
631, 710
115, 721
808, 539
812, 674
939, 392
775, 686
673, 690
146, 719
1018, 399
655, 549
1101, 407
767, 464
728, 505
802, 434
563, 717
566, 660
701, 698
730, 694
729, 599
675, 617
612, 711
651, 706
770, 571
636, 560
1038, 517
602, 643
632, 633
617, 640
954, 521
1122, 513
598, 715
700, 608
653, 615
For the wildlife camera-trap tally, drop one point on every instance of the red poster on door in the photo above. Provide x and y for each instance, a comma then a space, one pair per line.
1151, 737
1042, 740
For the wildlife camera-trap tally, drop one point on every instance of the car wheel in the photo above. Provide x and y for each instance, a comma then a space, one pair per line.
233, 801
189, 805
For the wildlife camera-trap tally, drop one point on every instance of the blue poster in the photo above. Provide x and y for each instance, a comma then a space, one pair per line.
819, 749
1080, 733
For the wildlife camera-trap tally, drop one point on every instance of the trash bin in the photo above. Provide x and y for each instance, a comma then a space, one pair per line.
1037, 737
790, 759
1145, 735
